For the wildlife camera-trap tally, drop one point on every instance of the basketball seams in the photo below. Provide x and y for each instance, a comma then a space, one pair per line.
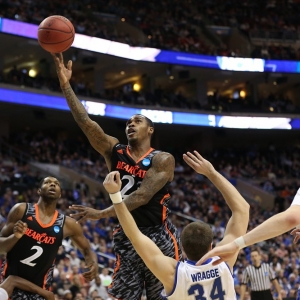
56, 34
67, 22
72, 37
57, 30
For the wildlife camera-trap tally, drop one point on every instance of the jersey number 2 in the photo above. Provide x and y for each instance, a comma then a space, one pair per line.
28, 260
127, 186
216, 292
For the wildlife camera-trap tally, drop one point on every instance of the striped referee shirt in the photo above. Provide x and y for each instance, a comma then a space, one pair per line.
260, 277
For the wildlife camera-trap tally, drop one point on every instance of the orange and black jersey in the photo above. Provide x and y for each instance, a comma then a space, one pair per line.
132, 173
34, 254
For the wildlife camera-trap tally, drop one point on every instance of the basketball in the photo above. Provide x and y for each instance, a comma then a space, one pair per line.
56, 34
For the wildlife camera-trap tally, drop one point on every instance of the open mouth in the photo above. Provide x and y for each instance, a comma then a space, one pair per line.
130, 132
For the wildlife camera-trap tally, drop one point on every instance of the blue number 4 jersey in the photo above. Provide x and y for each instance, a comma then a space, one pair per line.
205, 282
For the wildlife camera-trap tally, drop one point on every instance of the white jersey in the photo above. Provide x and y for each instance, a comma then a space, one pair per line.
205, 282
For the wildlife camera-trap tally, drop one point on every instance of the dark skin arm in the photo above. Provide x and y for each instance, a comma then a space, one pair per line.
102, 142
15, 214
161, 172
6, 243
73, 230
17, 282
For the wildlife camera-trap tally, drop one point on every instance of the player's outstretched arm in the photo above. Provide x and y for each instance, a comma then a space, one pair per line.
274, 226
161, 266
161, 171
17, 282
102, 142
239, 207
7, 243
73, 230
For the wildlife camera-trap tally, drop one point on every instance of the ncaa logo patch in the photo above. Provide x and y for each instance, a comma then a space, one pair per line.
56, 229
146, 162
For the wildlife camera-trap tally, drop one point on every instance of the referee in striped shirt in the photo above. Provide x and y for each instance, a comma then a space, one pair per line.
260, 276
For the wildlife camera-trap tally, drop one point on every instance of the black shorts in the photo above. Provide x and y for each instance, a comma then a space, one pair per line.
261, 295
21, 295
131, 275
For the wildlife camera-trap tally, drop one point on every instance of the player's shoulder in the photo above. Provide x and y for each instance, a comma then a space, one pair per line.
163, 156
71, 225
18, 210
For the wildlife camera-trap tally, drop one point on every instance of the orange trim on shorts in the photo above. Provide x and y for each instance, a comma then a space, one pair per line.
40, 222
128, 152
4, 269
116, 230
164, 209
174, 241
117, 267
164, 217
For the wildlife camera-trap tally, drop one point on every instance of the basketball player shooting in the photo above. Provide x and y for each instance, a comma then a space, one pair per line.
146, 174
185, 280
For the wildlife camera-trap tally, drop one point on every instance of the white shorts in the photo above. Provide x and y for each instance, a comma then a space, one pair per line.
3, 294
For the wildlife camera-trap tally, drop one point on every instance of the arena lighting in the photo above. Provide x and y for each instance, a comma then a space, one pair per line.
156, 55
158, 116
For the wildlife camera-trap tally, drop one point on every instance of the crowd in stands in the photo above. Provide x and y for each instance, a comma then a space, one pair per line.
159, 98
192, 195
173, 25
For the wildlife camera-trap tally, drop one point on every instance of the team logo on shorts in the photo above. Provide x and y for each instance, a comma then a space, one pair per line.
56, 229
146, 162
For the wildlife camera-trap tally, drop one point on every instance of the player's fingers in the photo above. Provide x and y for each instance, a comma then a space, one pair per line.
296, 239
77, 207
89, 274
69, 66
78, 214
192, 156
82, 219
118, 179
294, 231
61, 58
198, 155
189, 161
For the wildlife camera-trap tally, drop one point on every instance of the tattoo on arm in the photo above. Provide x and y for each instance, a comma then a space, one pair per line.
97, 137
161, 171
76, 106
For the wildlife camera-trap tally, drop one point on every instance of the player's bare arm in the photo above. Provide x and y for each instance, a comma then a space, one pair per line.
12, 282
15, 214
144, 246
238, 222
7, 243
288, 219
161, 172
102, 142
73, 230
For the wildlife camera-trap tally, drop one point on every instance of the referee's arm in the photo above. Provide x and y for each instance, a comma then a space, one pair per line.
275, 282
244, 284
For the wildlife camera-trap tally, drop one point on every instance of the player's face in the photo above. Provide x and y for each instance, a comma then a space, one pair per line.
50, 188
137, 128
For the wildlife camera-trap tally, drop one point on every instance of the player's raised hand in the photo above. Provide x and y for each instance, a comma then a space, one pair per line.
85, 213
112, 182
225, 252
198, 163
19, 229
296, 233
64, 73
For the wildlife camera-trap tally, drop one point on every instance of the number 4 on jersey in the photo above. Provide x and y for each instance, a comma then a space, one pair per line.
216, 293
